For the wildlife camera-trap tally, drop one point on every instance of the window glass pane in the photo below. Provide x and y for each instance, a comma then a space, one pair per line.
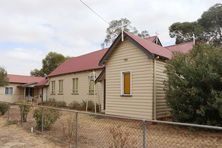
126, 83
91, 87
75, 85
60, 86
8, 90
53, 87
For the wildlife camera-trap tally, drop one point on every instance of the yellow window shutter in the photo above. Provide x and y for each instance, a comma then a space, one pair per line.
126, 83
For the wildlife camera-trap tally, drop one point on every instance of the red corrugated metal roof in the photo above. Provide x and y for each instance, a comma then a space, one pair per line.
183, 47
85, 62
23, 79
151, 47
43, 82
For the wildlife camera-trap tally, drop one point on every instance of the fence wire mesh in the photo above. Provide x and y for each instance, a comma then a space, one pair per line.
74, 129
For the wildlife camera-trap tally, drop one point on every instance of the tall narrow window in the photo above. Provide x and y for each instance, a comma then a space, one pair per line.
75, 86
60, 87
126, 83
53, 87
91, 87
8, 90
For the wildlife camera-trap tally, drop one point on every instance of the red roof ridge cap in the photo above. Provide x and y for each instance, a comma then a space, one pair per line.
178, 44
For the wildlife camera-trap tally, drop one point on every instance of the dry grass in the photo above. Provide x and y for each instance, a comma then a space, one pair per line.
13, 136
102, 132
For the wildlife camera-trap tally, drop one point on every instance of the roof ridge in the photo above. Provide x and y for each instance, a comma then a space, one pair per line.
178, 44
25, 75
90, 53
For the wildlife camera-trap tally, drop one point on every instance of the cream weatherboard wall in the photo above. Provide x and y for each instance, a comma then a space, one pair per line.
127, 57
18, 93
83, 88
161, 105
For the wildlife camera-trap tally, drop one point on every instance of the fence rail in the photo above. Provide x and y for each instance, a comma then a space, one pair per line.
86, 129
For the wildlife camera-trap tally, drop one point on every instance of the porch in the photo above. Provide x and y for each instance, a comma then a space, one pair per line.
30, 92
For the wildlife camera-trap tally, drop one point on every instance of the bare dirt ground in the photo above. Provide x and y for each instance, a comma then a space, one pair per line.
12, 136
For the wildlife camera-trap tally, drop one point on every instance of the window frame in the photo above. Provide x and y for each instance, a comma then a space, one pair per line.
92, 91
53, 87
12, 91
122, 84
61, 88
75, 86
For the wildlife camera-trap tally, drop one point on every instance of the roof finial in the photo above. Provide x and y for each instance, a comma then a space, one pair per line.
122, 29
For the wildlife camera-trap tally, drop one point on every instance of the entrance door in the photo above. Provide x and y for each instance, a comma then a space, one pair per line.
29, 92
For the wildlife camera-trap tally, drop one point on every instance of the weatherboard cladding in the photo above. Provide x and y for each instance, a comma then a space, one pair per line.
127, 57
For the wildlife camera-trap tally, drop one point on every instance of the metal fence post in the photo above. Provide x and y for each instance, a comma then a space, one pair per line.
144, 134
76, 129
8, 114
42, 120
21, 114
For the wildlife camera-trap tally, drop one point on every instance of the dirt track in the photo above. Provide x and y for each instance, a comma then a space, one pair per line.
13, 136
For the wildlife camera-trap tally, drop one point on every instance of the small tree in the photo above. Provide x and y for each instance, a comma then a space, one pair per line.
48, 116
4, 107
24, 110
115, 28
195, 86
3, 77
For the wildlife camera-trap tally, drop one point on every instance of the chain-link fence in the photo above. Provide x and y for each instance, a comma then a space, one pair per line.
69, 128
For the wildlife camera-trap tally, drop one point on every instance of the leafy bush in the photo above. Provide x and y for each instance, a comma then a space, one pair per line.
91, 106
82, 106
24, 110
50, 116
195, 86
75, 105
61, 104
4, 107
54, 103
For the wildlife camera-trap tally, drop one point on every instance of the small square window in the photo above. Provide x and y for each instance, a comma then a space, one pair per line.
8, 90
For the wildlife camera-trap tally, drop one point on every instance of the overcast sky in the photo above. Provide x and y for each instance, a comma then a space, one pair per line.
29, 29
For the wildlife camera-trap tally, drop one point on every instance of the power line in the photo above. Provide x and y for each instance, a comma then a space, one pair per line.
97, 14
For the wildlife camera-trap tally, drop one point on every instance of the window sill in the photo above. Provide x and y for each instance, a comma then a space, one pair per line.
60, 93
126, 95
53, 94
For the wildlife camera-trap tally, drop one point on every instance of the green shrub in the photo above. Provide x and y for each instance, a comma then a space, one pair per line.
50, 116
194, 89
54, 103
24, 107
91, 106
50, 102
75, 105
4, 107
60, 104
83, 105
